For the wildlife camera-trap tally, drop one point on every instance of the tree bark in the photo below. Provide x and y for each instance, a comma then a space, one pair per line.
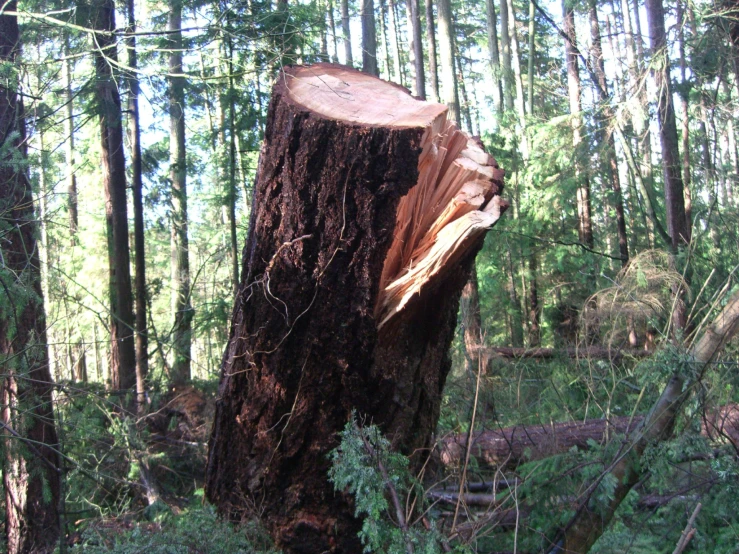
431, 37
328, 319
607, 138
505, 46
347, 34
677, 224
369, 38
446, 47
30, 460
69, 145
584, 211
182, 311
417, 47
123, 356
494, 53
137, 186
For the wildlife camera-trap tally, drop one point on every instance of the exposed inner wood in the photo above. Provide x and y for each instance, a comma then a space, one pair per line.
454, 202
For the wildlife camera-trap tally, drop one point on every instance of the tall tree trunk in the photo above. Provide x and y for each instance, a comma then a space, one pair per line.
534, 309
517, 79
584, 211
532, 55
494, 54
123, 355
137, 185
446, 48
417, 47
505, 46
393, 31
31, 475
606, 137
684, 94
332, 29
471, 321
677, 224
180, 265
231, 196
346, 31
431, 37
346, 341
516, 314
385, 41
69, 143
369, 38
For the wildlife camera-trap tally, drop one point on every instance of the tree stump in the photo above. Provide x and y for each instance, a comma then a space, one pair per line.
369, 210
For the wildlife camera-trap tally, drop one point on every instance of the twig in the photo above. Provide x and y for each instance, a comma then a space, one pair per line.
688, 532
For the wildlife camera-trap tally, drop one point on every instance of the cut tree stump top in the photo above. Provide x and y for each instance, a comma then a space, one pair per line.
345, 94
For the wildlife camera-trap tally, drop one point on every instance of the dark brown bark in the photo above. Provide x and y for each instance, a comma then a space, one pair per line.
431, 38
30, 460
182, 311
137, 186
305, 350
123, 356
369, 38
469, 312
534, 310
673, 186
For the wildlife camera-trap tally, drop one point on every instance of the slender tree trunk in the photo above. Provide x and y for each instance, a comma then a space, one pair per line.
385, 41
471, 321
332, 29
516, 315
532, 55
123, 355
137, 185
393, 30
516, 65
584, 211
446, 47
31, 475
493, 52
677, 223
505, 46
181, 309
684, 94
607, 138
231, 196
431, 37
534, 309
369, 38
69, 143
346, 31
417, 48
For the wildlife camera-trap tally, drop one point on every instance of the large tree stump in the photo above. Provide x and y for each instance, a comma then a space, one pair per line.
369, 209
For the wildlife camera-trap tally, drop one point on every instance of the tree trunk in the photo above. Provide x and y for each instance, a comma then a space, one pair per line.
231, 193
446, 47
417, 48
584, 215
607, 137
137, 185
532, 55
431, 37
123, 356
30, 460
520, 101
393, 29
469, 311
685, 123
181, 309
69, 143
493, 52
534, 310
346, 33
677, 224
369, 38
348, 297
505, 46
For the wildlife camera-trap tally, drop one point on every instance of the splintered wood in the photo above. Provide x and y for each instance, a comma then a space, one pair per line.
454, 202
456, 198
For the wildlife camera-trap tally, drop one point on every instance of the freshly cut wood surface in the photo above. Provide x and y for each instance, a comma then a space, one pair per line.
344, 94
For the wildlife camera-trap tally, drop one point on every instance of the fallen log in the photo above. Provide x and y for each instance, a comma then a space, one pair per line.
592, 352
511, 446
369, 210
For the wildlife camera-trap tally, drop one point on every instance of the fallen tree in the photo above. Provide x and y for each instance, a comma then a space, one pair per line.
369, 210
509, 447
593, 352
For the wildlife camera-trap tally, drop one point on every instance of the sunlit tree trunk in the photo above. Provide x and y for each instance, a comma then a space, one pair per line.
446, 47
417, 48
431, 37
494, 54
69, 144
346, 31
180, 264
516, 65
505, 46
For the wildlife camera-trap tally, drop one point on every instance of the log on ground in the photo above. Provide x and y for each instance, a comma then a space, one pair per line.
369, 210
